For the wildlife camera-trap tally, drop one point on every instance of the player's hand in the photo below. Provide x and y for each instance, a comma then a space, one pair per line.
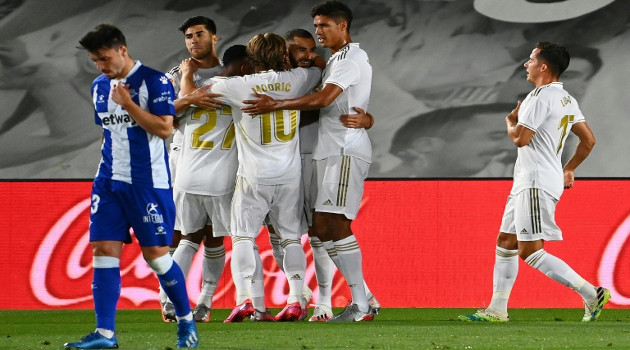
356, 121
188, 66
512, 118
569, 179
203, 99
120, 94
260, 105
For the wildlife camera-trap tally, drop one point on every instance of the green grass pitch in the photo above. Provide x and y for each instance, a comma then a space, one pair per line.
394, 328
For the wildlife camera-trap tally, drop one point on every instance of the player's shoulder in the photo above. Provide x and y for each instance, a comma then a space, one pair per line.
549, 90
174, 71
101, 79
352, 51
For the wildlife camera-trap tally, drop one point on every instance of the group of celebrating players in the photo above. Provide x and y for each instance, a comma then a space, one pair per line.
244, 155
240, 157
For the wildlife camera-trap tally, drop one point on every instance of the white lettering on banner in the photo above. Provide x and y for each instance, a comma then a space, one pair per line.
608, 263
274, 278
39, 271
74, 269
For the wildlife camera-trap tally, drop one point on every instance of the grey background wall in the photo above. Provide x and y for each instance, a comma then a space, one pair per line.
445, 75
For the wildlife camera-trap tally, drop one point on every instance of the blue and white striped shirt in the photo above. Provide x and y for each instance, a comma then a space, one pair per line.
129, 153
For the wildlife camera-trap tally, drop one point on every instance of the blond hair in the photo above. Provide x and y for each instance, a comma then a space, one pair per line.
267, 51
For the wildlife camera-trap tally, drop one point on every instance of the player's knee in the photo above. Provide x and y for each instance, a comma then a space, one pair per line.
507, 241
195, 237
213, 242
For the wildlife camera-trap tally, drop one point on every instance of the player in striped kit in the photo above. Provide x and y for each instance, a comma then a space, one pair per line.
539, 128
134, 105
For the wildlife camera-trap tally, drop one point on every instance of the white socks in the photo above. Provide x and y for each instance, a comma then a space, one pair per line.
504, 276
350, 265
243, 266
294, 268
212, 269
324, 271
559, 271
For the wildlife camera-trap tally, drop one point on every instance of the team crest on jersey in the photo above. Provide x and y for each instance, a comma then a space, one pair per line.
153, 215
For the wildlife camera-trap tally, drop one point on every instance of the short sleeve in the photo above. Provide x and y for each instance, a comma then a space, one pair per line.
161, 96
534, 113
344, 74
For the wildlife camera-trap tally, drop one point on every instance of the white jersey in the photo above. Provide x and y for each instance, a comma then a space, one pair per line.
349, 68
550, 112
175, 76
208, 160
268, 144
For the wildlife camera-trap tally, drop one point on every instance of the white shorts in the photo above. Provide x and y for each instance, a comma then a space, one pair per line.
253, 201
309, 186
198, 211
340, 184
530, 214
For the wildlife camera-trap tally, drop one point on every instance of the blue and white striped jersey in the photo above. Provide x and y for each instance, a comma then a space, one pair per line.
129, 153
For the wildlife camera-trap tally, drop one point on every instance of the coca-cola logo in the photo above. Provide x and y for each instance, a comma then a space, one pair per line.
610, 269
62, 270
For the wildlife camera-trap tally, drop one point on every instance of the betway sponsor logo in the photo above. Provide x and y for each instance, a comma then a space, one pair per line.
114, 119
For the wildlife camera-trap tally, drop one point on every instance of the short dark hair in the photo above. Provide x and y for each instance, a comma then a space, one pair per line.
439, 122
298, 33
336, 10
556, 56
197, 20
234, 53
103, 36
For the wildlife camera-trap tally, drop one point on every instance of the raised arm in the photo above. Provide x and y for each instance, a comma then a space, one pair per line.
583, 149
189, 94
520, 135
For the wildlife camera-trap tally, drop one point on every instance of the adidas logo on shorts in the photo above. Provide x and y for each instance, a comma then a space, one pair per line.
328, 202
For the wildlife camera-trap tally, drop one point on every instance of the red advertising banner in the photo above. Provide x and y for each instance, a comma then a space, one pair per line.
425, 243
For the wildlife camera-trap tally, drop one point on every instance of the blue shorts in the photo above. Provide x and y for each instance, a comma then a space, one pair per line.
118, 206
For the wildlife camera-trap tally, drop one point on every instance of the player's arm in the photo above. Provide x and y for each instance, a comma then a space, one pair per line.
360, 120
160, 126
520, 135
189, 93
317, 100
583, 149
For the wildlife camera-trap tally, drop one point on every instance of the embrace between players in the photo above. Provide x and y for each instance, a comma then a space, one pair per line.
244, 154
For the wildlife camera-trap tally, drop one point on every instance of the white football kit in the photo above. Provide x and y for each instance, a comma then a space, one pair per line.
175, 76
343, 155
269, 170
207, 164
550, 112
